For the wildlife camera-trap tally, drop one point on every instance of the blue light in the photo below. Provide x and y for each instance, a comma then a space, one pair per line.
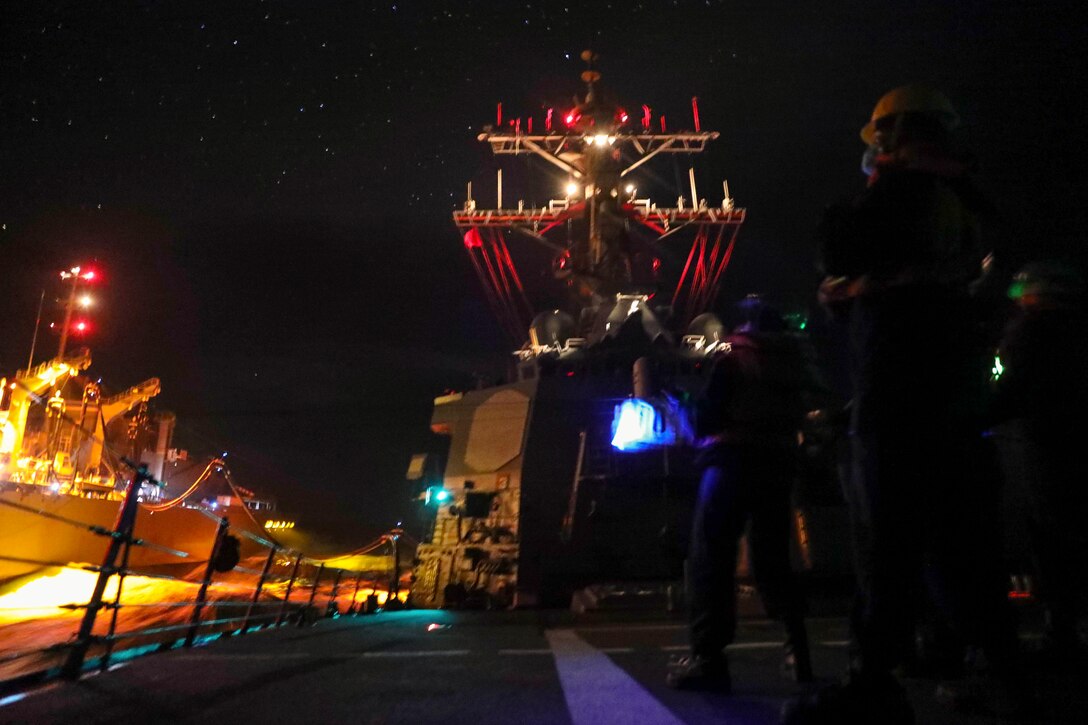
640, 424
637, 425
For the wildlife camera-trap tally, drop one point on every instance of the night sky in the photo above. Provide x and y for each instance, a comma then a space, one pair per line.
266, 186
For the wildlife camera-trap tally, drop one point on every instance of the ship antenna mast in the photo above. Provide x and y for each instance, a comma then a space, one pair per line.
598, 147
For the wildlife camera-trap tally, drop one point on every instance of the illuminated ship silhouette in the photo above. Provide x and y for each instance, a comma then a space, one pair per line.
60, 462
534, 503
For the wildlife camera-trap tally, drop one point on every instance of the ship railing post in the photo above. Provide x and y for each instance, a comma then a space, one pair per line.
287, 593
332, 609
123, 527
202, 594
313, 594
121, 573
260, 586
355, 594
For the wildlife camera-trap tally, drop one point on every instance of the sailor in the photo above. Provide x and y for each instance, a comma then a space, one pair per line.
748, 421
900, 263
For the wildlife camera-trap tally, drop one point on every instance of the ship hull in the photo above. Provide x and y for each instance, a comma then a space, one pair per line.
39, 540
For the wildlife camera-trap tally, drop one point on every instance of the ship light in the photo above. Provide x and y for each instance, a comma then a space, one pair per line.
437, 495
637, 425
572, 189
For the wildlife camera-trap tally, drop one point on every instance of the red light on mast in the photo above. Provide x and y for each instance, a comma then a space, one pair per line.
548, 120
473, 239
695, 112
81, 326
646, 118
622, 116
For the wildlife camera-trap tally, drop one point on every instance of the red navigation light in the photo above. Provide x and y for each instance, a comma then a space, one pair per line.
572, 118
81, 326
656, 265
548, 120
646, 117
473, 239
622, 115
89, 275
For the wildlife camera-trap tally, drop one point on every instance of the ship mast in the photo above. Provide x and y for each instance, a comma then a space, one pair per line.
599, 146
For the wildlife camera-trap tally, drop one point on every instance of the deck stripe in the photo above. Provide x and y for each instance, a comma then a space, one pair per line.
419, 653
597, 690
728, 648
525, 651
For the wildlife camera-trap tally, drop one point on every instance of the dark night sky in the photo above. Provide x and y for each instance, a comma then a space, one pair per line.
266, 185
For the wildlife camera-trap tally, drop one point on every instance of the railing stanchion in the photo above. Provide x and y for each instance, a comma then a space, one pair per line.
332, 608
355, 594
287, 594
201, 596
116, 605
260, 586
313, 594
126, 520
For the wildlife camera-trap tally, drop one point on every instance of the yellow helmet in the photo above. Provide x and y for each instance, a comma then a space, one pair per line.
913, 98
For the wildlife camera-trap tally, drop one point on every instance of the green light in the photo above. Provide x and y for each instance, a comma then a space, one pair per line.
797, 321
997, 369
437, 496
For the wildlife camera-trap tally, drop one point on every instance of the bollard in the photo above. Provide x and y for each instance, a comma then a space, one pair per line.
332, 609
287, 594
260, 586
126, 520
313, 594
201, 596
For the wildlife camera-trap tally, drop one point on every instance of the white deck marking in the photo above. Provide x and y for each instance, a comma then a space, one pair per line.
753, 645
419, 653
525, 651
271, 656
734, 646
599, 692
632, 627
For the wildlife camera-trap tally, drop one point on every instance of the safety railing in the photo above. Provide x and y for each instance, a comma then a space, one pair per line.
246, 607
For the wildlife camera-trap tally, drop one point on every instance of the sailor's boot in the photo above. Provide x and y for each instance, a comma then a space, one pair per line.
707, 674
798, 661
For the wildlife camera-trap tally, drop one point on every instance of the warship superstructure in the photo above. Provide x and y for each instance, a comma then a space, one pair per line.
536, 502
